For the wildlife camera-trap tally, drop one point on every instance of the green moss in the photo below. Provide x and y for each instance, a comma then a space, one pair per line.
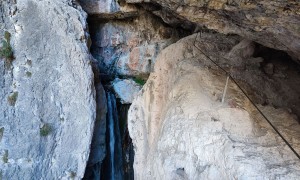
139, 81
28, 74
12, 98
5, 156
45, 130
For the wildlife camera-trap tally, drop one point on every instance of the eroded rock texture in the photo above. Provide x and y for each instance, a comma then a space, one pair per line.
181, 130
272, 23
47, 96
129, 47
109, 8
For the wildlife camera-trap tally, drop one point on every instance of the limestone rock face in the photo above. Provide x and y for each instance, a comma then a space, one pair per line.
272, 23
181, 130
130, 47
47, 96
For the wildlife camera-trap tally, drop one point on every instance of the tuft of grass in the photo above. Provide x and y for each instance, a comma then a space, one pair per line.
72, 175
139, 81
1, 133
29, 62
28, 74
6, 50
45, 130
5, 156
12, 98
7, 36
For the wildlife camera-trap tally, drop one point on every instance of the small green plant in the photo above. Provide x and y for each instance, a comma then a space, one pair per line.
7, 36
72, 175
45, 130
139, 81
5, 156
12, 98
29, 62
1, 133
6, 49
28, 74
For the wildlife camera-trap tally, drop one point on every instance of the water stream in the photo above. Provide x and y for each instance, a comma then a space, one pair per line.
118, 147
113, 164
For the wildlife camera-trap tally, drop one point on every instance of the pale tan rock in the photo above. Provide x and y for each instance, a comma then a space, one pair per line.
180, 130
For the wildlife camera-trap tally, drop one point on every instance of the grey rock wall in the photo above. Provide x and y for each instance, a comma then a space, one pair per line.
46, 132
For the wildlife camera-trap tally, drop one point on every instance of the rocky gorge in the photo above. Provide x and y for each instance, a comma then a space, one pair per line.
149, 89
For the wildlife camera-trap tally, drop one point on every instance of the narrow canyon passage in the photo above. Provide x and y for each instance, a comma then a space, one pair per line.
149, 89
125, 48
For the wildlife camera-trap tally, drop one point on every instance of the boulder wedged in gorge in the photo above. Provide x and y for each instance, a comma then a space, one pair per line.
126, 89
181, 130
48, 106
272, 23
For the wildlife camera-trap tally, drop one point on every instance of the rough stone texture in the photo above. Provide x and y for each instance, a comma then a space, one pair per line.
272, 23
49, 42
109, 8
270, 77
181, 130
130, 47
126, 90
98, 145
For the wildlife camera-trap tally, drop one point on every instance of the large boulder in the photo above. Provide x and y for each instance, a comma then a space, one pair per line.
181, 129
48, 106
126, 89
